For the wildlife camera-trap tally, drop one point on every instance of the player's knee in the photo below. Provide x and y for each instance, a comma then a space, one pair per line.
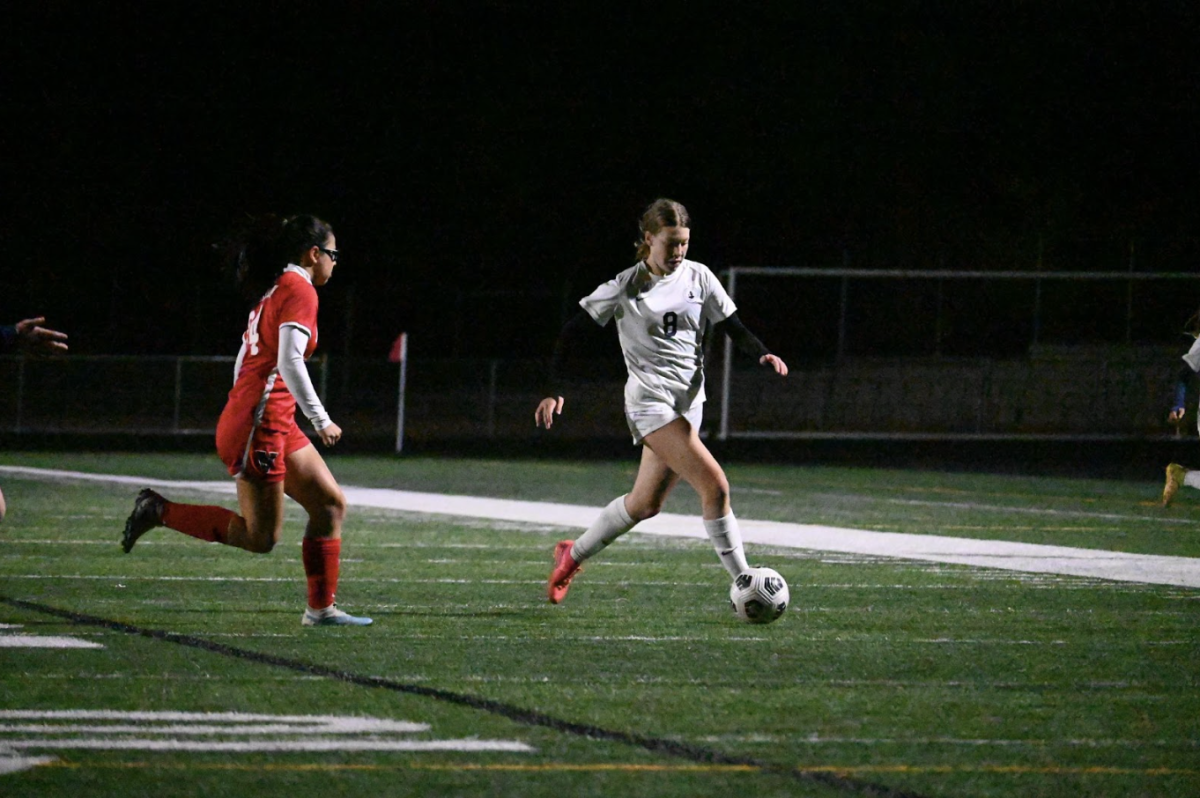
258, 540
261, 545
715, 495
719, 491
2, 508
337, 507
331, 511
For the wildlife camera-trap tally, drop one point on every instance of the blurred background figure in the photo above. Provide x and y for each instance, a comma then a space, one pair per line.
30, 337
1177, 475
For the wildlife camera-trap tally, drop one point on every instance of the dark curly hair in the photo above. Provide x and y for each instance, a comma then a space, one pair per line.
267, 244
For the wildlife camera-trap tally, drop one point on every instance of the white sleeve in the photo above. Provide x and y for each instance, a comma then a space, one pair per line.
1192, 358
602, 303
292, 342
718, 305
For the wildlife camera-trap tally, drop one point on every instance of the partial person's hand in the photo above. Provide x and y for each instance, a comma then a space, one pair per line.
330, 435
34, 338
1176, 415
547, 409
775, 363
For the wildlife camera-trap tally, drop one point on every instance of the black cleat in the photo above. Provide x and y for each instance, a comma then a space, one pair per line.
147, 514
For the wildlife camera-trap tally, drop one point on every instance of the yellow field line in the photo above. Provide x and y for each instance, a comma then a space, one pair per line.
846, 770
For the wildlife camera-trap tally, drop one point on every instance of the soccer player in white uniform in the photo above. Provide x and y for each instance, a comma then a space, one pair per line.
662, 306
1177, 475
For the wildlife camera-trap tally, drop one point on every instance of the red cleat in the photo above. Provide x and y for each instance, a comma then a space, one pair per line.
564, 571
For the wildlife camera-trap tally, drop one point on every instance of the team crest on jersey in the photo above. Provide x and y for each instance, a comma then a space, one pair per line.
264, 460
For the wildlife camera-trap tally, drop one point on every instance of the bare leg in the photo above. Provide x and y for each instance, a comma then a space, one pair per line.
310, 482
677, 448
260, 524
654, 482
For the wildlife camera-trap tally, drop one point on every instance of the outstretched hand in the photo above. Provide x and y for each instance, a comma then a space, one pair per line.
34, 338
547, 409
774, 362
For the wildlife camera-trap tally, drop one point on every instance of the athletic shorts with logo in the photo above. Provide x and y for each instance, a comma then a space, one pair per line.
259, 452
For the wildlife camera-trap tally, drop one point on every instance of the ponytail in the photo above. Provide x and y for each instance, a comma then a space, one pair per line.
264, 246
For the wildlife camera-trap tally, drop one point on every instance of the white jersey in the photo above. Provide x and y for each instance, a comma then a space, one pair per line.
1192, 358
661, 323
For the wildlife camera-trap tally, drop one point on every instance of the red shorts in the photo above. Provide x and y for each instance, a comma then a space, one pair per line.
258, 453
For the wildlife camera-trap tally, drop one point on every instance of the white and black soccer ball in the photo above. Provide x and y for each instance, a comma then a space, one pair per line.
759, 595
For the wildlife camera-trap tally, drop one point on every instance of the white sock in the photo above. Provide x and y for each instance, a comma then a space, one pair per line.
612, 522
726, 538
1192, 479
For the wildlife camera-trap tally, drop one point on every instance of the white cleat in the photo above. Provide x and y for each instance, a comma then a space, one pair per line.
332, 616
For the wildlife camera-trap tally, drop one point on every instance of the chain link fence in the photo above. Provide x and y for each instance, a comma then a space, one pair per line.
1053, 392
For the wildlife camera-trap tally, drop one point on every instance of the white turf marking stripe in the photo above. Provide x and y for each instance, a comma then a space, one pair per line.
1097, 563
291, 580
871, 741
15, 764
340, 721
255, 731
45, 641
246, 746
228, 487
1000, 508
196, 730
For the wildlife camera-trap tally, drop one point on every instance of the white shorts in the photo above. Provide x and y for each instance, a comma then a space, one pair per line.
645, 420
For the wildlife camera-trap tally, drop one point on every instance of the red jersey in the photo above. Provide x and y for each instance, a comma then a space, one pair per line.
292, 301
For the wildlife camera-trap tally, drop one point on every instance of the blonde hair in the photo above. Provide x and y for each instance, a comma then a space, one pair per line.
661, 213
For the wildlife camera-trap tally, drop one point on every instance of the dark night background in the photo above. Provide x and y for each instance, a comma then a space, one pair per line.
484, 165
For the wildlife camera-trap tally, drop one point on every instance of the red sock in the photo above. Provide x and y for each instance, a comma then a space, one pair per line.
205, 522
321, 557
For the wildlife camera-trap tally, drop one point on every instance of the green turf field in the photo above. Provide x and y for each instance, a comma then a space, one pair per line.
885, 676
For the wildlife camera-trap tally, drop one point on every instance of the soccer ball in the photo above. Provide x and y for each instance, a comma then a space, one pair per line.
759, 595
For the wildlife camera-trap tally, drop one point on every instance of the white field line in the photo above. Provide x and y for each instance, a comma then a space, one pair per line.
251, 723
815, 739
339, 745
11, 640
60, 730
1028, 557
45, 641
1001, 508
15, 764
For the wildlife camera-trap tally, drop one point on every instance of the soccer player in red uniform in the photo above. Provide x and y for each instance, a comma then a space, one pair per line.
257, 435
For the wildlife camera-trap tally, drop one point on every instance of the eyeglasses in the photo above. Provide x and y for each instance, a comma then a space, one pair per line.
332, 253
